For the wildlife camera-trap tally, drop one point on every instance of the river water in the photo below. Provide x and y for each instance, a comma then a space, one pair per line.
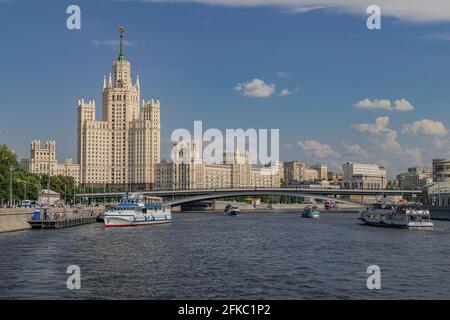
213, 256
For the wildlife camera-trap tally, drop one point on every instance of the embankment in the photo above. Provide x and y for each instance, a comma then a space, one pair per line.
16, 219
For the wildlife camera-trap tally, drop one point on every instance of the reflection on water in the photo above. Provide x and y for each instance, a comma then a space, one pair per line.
212, 256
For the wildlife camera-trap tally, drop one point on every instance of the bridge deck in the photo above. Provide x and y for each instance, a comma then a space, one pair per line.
189, 196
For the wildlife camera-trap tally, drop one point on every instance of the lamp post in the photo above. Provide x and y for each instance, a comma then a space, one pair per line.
25, 190
11, 169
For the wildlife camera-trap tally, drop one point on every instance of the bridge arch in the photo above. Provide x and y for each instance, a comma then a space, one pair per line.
248, 193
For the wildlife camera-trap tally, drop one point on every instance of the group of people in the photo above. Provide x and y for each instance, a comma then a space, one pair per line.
47, 215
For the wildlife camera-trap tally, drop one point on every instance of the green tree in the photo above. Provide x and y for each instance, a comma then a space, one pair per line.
26, 186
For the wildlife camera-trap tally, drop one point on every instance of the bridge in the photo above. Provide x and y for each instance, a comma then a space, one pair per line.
180, 197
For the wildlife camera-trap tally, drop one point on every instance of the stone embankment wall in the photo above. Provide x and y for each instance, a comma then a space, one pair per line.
16, 219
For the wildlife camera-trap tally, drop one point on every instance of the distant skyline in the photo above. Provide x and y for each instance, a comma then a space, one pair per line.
337, 91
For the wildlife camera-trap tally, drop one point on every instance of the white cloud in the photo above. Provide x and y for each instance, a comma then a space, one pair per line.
437, 37
379, 127
255, 88
289, 146
386, 139
403, 105
384, 104
317, 149
307, 9
287, 92
439, 143
383, 136
413, 156
374, 104
425, 126
354, 150
408, 10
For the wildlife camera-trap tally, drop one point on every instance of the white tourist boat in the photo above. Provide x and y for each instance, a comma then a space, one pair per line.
390, 215
137, 209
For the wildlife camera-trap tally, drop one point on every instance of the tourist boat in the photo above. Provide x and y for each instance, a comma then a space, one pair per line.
330, 206
311, 212
136, 210
397, 216
232, 211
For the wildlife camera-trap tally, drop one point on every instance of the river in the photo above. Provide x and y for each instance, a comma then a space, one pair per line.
213, 256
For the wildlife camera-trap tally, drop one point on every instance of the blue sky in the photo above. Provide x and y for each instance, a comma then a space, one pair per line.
194, 55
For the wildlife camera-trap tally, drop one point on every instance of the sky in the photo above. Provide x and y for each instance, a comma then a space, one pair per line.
336, 90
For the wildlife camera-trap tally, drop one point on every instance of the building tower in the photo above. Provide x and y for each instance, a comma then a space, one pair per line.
122, 149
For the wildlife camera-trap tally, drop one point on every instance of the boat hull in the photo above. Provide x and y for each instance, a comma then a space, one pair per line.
233, 213
401, 225
311, 215
135, 221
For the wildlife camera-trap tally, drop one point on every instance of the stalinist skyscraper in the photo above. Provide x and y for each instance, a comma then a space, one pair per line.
123, 148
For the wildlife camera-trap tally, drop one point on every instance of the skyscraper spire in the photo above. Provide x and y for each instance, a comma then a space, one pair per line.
121, 56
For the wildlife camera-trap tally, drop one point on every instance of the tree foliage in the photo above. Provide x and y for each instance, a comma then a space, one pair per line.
26, 185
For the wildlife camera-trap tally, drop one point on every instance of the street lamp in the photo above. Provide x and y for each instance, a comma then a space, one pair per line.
25, 190
11, 169
74, 191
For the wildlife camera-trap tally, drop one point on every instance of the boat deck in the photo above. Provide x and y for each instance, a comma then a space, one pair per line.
61, 223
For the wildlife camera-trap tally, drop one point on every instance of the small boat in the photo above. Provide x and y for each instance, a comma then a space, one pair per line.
384, 214
232, 211
137, 209
330, 206
311, 212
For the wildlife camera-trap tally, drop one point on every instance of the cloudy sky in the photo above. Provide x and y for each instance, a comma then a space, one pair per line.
336, 90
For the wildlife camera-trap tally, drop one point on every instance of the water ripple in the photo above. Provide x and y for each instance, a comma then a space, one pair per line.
212, 256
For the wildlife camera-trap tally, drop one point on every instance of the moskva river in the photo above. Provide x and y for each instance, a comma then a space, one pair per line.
213, 256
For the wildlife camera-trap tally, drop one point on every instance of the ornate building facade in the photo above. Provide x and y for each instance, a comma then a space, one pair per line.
43, 161
190, 172
122, 149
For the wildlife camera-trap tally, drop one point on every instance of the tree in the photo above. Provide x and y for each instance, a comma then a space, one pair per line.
26, 186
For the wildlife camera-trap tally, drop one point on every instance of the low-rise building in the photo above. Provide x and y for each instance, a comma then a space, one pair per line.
415, 179
48, 197
310, 175
364, 176
293, 172
296, 171
441, 170
333, 176
437, 194
322, 171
